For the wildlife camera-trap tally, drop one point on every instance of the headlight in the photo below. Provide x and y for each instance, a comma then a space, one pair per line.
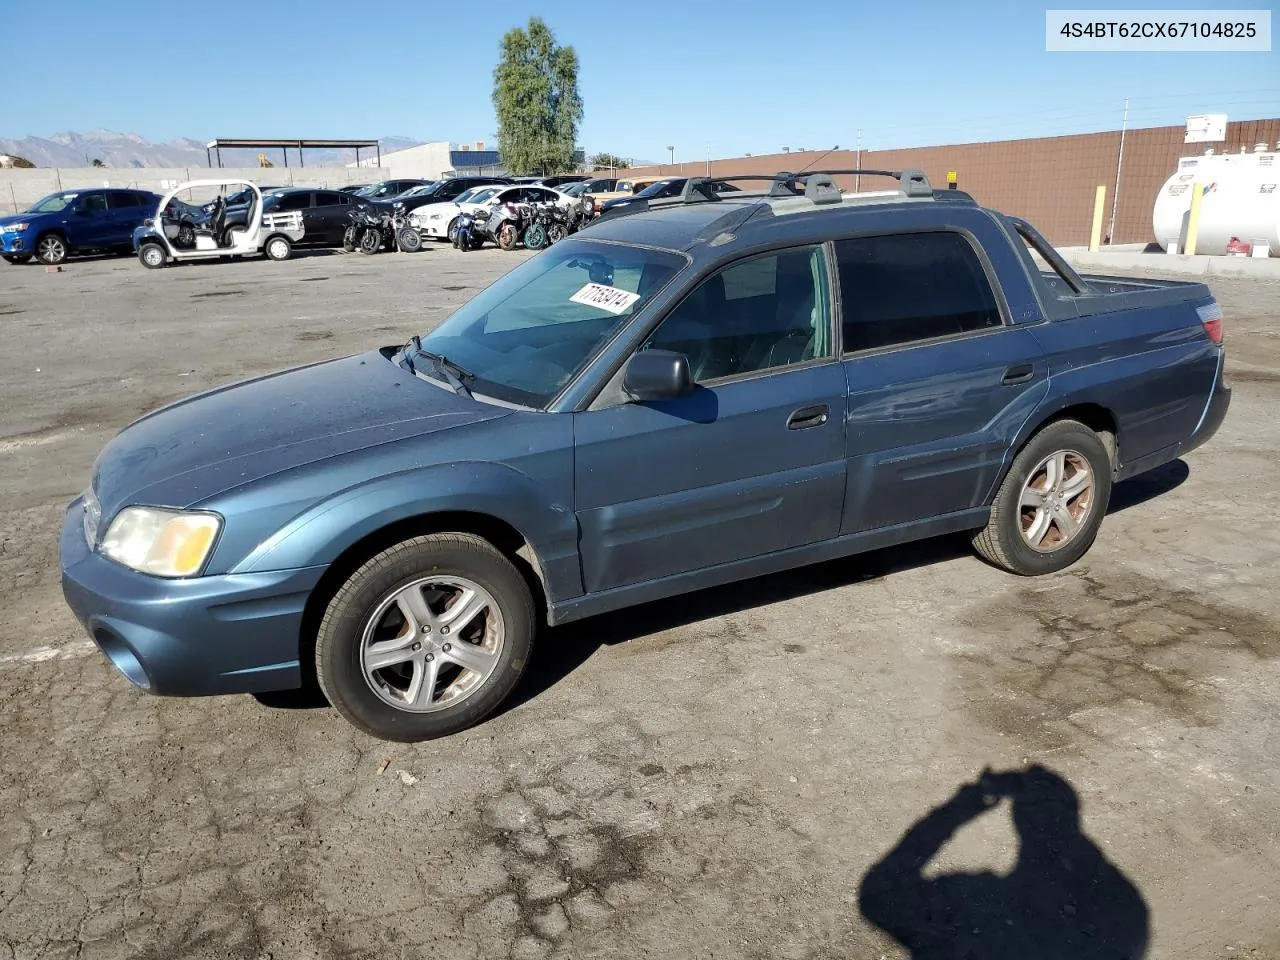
164, 543
16, 227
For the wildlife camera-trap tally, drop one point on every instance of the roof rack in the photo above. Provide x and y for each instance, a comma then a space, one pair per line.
818, 186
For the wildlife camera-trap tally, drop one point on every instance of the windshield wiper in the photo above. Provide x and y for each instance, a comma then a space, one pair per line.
453, 373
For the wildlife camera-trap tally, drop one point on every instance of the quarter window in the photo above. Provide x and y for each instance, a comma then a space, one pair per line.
908, 287
766, 312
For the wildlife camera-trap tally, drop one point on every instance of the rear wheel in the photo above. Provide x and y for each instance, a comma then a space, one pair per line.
1048, 510
371, 241
349, 237
556, 232
152, 255
51, 249
507, 237
427, 638
16, 258
278, 248
452, 231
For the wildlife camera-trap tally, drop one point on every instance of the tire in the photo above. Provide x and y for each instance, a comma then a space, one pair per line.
152, 255
535, 238
228, 237
1007, 539
16, 258
370, 241
556, 232
349, 239
365, 607
278, 248
51, 249
507, 238
410, 240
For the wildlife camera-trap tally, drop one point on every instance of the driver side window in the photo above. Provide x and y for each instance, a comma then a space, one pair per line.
758, 314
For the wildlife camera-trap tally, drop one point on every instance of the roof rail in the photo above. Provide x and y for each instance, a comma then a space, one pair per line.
818, 186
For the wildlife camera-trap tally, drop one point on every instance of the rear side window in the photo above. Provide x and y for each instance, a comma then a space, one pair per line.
294, 201
121, 200
328, 199
908, 287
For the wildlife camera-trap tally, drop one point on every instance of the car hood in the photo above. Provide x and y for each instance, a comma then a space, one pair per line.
215, 441
21, 218
442, 208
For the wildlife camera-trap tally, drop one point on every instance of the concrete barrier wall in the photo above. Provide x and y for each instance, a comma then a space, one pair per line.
19, 189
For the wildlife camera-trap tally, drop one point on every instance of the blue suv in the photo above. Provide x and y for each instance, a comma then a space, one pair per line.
75, 221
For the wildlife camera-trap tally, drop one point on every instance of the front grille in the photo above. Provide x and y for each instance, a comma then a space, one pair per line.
92, 517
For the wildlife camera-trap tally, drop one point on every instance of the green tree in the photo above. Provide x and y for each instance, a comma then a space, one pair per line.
609, 160
97, 163
535, 95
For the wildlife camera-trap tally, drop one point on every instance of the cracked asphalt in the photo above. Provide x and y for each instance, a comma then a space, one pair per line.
710, 777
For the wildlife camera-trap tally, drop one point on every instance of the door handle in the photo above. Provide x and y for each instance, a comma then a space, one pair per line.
1018, 374
813, 416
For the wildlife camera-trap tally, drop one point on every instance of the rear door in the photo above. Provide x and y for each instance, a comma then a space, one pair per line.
300, 200
331, 214
940, 379
125, 214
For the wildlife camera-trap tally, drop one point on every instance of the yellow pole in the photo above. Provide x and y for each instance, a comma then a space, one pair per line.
1193, 220
1099, 205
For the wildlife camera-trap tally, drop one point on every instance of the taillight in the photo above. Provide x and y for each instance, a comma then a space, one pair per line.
1211, 316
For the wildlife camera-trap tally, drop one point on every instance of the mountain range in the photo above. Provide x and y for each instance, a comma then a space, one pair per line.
120, 150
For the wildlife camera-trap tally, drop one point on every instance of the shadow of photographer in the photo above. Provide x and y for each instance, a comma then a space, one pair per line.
1063, 900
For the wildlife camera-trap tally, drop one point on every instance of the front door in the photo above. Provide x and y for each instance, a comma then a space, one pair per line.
89, 224
939, 382
751, 462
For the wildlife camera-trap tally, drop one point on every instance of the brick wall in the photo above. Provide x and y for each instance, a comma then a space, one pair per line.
1049, 181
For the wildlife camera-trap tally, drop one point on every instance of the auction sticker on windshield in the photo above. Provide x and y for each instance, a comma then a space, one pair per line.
606, 298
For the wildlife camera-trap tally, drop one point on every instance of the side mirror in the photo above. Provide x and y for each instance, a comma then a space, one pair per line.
657, 375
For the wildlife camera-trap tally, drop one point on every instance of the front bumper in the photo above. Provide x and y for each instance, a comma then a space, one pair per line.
236, 633
16, 243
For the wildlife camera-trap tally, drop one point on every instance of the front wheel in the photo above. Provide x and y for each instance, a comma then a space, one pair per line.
535, 238
556, 232
349, 237
409, 239
152, 256
427, 638
507, 237
371, 241
51, 250
279, 248
16, 258
1048, 510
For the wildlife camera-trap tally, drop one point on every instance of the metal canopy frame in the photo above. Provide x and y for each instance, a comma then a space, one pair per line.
214, 147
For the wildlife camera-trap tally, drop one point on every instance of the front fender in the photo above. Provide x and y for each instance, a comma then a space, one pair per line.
320, 534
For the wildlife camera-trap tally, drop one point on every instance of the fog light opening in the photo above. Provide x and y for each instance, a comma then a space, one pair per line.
122, 657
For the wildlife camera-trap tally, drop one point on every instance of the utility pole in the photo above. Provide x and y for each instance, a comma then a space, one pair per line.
672, 151
1115, 194
857, 163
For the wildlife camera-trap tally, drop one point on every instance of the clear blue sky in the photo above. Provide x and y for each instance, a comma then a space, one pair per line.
729, 79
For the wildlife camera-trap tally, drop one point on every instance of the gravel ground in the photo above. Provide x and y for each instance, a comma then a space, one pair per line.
761, 770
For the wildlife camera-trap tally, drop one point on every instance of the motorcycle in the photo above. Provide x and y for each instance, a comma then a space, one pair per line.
371, 232
551, 223
467, 232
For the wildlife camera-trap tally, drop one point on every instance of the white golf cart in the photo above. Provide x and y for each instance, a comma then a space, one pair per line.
185, 230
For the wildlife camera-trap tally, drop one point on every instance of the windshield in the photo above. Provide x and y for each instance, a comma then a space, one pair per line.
528, 334
574, 189
655, 189
53, 203
479, 195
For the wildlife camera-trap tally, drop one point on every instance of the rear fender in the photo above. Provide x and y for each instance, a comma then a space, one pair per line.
325, 530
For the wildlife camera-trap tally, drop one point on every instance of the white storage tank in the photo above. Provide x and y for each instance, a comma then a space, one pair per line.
1239, 199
